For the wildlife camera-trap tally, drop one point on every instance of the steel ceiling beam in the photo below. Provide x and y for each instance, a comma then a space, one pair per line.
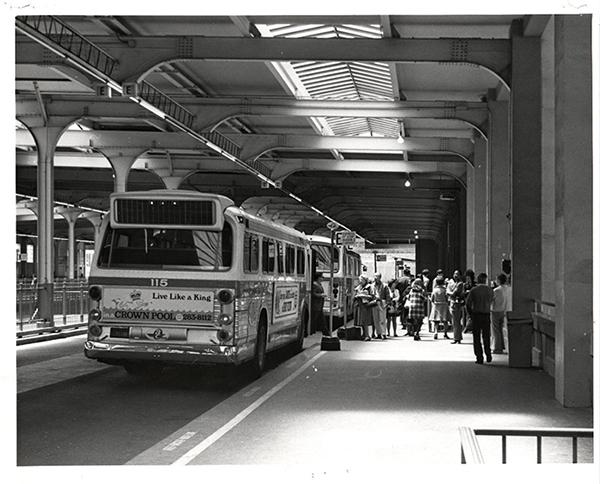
253, 146
209, 112
149, 52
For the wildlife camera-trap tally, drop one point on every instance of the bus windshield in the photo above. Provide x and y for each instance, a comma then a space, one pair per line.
139, 248
322, 256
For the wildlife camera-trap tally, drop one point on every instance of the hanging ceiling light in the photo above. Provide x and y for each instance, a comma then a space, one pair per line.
407, 182
401, 133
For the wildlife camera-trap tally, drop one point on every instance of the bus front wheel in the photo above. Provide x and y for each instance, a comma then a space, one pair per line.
299, 343
260, 350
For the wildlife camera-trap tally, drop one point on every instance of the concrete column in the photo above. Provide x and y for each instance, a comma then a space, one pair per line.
470, 218
462, 231
46, 138
480, 205
70, 214
525, 104
573, 64
548, 282
498, 186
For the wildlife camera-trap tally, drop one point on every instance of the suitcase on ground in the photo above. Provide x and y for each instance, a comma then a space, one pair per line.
353, 333
330, 343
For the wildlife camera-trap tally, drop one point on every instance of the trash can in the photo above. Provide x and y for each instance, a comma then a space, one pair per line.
520, 342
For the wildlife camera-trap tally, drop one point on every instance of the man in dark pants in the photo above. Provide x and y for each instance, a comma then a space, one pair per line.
316, 305
402, 286
478, 303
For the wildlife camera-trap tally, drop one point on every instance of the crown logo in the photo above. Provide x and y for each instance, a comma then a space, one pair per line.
135, 295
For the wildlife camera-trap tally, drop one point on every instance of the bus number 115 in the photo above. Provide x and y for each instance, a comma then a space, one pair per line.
159, 282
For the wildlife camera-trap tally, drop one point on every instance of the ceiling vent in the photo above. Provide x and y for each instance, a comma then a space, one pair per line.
447, 197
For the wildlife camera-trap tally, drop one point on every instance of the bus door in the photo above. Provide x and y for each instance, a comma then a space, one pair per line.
286, 301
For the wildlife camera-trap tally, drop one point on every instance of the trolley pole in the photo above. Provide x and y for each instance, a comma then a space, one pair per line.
343, 295
331, 255
331, 343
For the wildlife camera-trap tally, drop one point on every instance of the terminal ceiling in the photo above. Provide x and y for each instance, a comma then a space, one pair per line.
325, 125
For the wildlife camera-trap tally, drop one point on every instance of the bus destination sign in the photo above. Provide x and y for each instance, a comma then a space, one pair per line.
345, 237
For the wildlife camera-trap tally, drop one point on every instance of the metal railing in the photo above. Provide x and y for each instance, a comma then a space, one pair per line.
470, 451
225, 143
68, 39
164, 103
70, 302
546, 308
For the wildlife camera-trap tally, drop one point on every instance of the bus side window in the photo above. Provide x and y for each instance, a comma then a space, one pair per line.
250, 253
300, 258
290, 259
254, 253
247, 252
268, 256
280, 266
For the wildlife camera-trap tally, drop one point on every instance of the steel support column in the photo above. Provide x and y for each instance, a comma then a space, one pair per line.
46, 138
95, 219
121, 160
70, 214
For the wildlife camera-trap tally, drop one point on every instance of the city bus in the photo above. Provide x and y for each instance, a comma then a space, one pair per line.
345, 275
182, 277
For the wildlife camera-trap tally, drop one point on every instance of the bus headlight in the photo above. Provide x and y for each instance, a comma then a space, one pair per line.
95, 330
95, 315
95, 293
225, 319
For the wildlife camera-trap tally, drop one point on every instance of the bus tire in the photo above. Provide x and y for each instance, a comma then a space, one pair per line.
260, 349
299, 343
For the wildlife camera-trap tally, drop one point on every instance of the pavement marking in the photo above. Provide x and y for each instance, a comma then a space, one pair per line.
211, 439
177, 442
251, 392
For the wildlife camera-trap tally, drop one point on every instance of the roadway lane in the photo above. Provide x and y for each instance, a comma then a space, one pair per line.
104, 416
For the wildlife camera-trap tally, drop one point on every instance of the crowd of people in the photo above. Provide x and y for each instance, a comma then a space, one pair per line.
459, 304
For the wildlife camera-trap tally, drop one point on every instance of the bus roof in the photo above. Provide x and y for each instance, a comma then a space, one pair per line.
263, 225
321, 239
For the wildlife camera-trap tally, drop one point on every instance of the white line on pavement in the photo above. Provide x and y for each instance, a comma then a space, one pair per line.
251, 392
177, 442
211, 439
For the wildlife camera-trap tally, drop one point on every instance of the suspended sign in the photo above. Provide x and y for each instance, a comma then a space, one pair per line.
381, 257
345, 237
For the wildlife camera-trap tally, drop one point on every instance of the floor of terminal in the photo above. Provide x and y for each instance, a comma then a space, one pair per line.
376, 403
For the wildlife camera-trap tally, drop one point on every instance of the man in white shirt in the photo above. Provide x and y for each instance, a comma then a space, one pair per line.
499, 307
